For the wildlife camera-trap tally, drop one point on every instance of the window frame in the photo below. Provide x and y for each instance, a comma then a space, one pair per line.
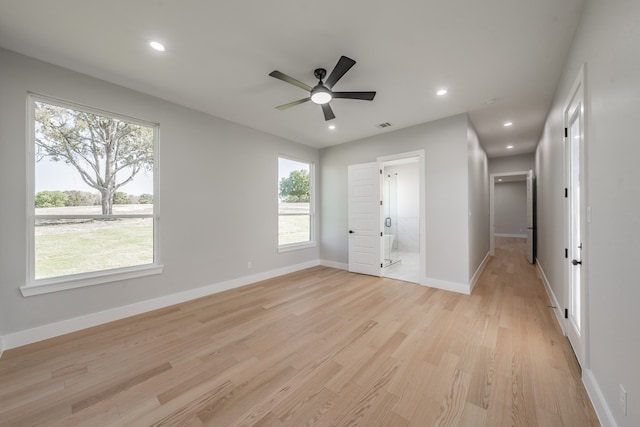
312, 216
35, 286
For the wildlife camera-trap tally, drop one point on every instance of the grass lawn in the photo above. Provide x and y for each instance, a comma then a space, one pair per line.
62, 250
75, 248
293, 229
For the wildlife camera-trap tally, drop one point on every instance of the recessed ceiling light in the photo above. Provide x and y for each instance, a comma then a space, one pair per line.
499, 179
441, 92
509, 147
507, 124
157, 46
332, 127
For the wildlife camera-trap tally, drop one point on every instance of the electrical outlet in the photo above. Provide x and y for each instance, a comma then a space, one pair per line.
249, 265
623, 400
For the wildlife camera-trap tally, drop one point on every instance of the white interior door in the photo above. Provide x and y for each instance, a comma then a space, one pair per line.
530, 216
364, 219
576, 209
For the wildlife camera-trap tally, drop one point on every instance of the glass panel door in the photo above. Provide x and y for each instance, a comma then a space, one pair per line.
390, 209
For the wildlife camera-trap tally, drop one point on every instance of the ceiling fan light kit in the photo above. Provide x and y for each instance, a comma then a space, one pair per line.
321, 93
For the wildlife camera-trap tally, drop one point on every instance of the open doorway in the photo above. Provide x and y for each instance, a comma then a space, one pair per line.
512, 208
401, 213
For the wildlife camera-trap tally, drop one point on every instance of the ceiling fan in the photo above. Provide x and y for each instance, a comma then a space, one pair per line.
321, 93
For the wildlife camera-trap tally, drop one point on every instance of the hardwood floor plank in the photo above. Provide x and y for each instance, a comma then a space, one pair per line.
319, 347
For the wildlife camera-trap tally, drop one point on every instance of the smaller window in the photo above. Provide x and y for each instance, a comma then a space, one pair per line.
295, 204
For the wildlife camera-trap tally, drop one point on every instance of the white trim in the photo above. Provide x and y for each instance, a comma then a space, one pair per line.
1, 346
334, 264
603, 411
295, 246
552, 298
578, 93
518, 236
64, 283
460, 288
39, 333
476, 275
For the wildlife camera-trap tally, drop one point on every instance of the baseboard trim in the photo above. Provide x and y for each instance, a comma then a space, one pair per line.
460, 288
605, 416
558, 311
517, 236
52, 330
479, 270
334, 264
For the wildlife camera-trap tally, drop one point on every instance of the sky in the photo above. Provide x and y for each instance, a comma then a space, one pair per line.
60, 176
286, 166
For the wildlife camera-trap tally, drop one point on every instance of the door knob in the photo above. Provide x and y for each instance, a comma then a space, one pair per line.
351, 231
576, 262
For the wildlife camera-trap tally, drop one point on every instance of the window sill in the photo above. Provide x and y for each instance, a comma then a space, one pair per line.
296, 246
80, 281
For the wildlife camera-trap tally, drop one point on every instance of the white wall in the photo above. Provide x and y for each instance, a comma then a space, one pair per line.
608, 41
510, 207
408, 179
478, 203
445, 143
506, 164
218, 197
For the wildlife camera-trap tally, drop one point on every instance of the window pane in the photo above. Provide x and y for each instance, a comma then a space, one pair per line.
71, 246
294, 202
294, 229
86, 159
89, 163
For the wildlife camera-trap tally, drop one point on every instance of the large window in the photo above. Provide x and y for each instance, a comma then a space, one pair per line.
295, 204
92, 197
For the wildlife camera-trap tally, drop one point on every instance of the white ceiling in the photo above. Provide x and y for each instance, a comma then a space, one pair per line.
219, 54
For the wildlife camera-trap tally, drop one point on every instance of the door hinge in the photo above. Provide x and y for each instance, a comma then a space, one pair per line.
380, 171
380, 202
381, 234
566, 253
380, 265
566, 132
566, 192
566, 313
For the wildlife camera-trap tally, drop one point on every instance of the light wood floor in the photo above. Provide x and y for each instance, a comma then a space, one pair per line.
318, 347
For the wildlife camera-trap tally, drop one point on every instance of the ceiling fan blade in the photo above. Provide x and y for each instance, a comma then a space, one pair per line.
328, 112
343, 65
290, 80
365, 96
292, 104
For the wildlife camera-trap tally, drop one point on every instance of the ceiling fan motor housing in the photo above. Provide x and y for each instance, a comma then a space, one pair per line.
320, 73
321, 94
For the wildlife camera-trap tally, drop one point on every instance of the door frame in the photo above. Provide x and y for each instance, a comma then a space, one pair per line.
421, 185
578, 91
492, 212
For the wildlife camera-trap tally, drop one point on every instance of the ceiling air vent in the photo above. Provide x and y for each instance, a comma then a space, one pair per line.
384, 125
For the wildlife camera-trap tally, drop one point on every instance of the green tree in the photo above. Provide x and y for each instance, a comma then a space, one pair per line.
120, 198
296, 187
145, 199
106, 152
81, 198
51, 199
